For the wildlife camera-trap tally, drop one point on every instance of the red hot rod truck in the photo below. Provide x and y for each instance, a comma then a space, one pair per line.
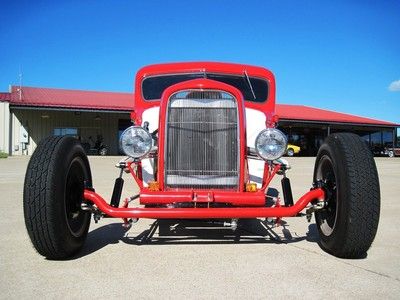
202, 134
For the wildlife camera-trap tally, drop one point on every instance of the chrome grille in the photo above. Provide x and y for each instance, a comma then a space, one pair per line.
202, 146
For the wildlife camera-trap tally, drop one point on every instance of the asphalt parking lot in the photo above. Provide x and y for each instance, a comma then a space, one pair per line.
285, 262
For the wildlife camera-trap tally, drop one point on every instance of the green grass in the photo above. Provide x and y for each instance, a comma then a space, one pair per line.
3, 154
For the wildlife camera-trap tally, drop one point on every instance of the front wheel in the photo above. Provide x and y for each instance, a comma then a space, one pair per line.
53, 193
347, 225
290, 152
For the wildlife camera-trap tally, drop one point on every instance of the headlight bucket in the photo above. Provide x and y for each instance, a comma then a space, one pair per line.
271, 144
135, 142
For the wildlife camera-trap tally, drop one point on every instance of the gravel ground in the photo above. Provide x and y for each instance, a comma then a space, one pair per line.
115, 263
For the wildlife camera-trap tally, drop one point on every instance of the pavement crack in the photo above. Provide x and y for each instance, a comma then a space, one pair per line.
347, 263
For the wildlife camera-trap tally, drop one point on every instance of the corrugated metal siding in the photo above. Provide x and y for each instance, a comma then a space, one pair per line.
86, 122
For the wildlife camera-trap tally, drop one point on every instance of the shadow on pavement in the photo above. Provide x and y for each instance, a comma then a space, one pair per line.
101, 237
178, 232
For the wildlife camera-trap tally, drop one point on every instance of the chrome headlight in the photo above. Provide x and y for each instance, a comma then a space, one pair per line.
135, 142
271, 144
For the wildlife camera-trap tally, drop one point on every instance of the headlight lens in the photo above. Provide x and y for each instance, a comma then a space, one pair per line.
271, 144
135, 142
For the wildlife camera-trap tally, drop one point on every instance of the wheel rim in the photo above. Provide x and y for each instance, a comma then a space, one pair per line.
76, 217
290, 152
327, 217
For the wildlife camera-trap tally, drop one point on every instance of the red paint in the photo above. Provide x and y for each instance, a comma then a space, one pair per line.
307, 113
269, 173
71, 99
197, 67
204, 213
136, 175
201, 196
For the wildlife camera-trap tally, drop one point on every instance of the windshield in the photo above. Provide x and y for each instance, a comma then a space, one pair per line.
252, 88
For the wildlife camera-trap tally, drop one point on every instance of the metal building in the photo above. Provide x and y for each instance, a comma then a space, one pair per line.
29, 114
307, 127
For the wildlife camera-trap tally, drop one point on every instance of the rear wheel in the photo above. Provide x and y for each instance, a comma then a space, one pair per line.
290, 152
348, 224
53, 193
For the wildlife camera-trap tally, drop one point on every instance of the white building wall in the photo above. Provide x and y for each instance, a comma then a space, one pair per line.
15, 126
4, 127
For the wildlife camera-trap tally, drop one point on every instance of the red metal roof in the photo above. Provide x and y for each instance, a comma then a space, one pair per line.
62, 98
49, 97
307, 113
5, 97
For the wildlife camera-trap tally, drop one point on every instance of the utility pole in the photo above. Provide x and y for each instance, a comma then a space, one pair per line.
20, 82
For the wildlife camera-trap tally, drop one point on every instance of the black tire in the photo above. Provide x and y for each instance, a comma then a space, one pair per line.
53, 192
290, 152
348, 225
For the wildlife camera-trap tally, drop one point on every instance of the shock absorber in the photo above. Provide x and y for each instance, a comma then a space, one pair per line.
117, 191
287, 191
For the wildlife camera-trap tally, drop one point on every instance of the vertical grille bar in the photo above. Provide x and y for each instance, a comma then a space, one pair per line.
202, 146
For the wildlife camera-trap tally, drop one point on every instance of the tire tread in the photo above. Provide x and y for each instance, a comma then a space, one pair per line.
363, 199
40, 211
35, 197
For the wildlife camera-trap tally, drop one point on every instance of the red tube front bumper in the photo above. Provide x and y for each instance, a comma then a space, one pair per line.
234, 198
204, 213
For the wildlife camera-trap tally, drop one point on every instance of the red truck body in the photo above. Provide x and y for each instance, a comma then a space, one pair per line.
161, 198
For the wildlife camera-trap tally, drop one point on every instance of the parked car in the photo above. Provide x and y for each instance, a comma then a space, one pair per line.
97, 147
292, 150
378, 150
392, 151
201, 129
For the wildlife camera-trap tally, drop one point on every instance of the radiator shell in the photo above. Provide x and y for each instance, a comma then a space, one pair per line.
202, 140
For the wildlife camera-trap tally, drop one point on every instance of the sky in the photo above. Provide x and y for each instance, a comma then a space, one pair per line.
337, 55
